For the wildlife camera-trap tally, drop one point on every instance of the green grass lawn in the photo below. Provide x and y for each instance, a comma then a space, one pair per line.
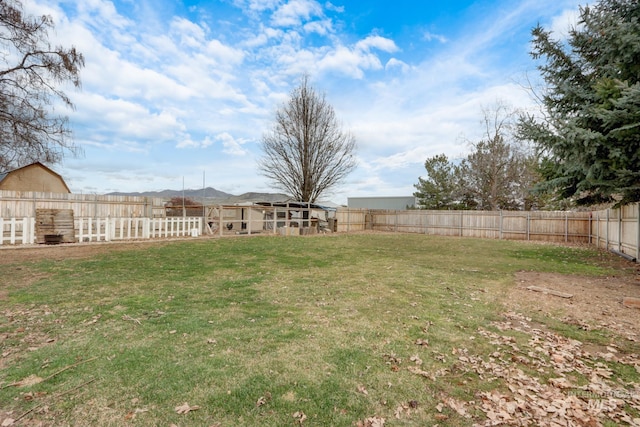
269, 331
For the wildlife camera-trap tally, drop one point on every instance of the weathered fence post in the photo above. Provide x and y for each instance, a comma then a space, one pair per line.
607, 234
637, 232
620, 229
220, 219
12, 231
275, 220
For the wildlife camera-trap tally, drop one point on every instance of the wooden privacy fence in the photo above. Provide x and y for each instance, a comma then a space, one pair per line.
23, 231
618, 230
612, 229
21, 204
512, 225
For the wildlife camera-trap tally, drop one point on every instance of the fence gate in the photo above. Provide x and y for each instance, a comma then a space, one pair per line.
55, 226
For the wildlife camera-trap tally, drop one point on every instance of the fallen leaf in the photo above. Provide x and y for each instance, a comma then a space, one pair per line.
422, 342
371, 422
415, 359
185, 408
300, 417
363, 390
7, 422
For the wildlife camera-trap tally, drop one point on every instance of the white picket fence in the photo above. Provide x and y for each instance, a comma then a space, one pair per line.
23, 230
17, 231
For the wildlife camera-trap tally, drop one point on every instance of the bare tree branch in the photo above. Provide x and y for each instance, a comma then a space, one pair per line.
306, 153
30, 70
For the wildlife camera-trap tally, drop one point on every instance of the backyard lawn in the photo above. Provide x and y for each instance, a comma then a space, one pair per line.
341, 330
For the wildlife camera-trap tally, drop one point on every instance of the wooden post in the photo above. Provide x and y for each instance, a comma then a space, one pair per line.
528, 226
32, 230
12, 231
424, 221
106, 229
275, 220
620, 229
598, 231
637, 232
607, 231
286, 219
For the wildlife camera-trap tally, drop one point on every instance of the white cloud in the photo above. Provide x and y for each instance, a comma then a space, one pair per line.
334, 8
561, 24
101, 13
394, 63
223, 55
322, 27
429, 36
126, 119
294, 12
349, 62
189, 33
231, 145
354, 61
376, 42
257, 5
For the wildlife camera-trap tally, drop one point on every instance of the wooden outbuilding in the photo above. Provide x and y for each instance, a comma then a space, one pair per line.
33, 177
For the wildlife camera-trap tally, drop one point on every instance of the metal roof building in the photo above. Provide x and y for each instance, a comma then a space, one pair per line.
391, 203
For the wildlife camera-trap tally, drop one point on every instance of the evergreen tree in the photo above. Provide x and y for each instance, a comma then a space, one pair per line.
439, 189
589, 134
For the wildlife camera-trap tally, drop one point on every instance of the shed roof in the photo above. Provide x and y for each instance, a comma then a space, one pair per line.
299, 205
3, 175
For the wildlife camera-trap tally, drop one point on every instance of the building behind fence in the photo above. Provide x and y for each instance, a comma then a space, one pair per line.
101, 218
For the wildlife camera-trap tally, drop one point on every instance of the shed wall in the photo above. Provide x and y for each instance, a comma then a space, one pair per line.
33, 178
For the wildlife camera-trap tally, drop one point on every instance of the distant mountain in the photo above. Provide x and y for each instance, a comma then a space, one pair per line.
210, 194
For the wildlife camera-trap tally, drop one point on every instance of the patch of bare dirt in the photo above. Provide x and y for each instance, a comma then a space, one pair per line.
596, 302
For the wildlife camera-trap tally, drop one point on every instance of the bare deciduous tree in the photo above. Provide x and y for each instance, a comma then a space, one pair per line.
307, 153
498, 173
30, 72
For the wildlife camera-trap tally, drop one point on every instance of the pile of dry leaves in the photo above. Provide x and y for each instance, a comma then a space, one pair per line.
579, 390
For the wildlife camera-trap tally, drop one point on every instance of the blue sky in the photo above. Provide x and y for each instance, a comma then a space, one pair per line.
176, 90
